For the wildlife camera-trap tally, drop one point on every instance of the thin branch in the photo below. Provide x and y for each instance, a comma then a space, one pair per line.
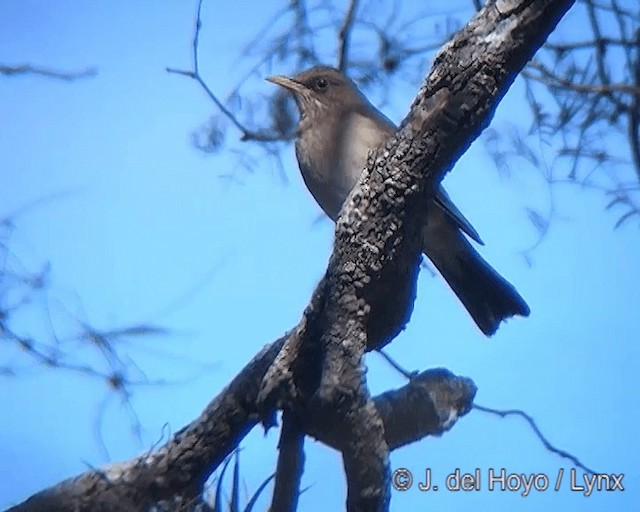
556, 80
614, 8
634, 110
534, 426
344, 35
580, 45
28, 69
305, 51
290, 466
396, 366
247, 134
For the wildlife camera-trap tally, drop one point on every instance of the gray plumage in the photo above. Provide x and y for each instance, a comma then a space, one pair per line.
338, 126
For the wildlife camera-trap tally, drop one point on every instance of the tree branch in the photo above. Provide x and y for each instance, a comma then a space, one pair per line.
247, 134
181, 467
375, 257
28, 69
344, 35
377, 242
532, 423
290, 466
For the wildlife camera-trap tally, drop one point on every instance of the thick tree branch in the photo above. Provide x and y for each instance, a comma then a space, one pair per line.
181, 466
178, 468
364, 300
430, 404
377, 242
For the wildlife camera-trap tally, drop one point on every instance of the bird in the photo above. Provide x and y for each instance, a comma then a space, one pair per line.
338, 126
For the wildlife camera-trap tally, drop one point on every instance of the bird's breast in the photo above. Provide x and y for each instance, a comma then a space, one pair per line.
321, 167
332, 157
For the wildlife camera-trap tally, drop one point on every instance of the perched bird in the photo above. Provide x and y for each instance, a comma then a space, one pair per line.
338, 126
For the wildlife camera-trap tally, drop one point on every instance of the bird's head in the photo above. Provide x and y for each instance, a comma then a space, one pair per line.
321, 89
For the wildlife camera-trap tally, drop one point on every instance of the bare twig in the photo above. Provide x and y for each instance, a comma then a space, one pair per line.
555, 80
634, 109
345, 34
28, 69
305, 50
595, 100
532, 423
247, 134
396, 366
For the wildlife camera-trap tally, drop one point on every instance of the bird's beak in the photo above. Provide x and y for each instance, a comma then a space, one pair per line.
287, 83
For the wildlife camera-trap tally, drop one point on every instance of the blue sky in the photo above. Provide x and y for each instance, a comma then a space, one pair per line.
145, 229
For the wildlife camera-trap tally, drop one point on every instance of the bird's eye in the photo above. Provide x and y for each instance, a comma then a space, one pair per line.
321, 84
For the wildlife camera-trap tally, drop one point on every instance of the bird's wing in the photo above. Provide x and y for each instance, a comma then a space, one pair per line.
381, 128
444, 202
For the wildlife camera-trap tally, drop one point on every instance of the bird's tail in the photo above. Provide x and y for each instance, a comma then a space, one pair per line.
486, 295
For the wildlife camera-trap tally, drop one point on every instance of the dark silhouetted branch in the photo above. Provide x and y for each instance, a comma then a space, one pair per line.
534, 426
28, 69
290, 465
344, 35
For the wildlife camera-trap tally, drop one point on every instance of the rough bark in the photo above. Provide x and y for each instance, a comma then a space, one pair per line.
367, 294
286, 488
190, 457
364, 300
